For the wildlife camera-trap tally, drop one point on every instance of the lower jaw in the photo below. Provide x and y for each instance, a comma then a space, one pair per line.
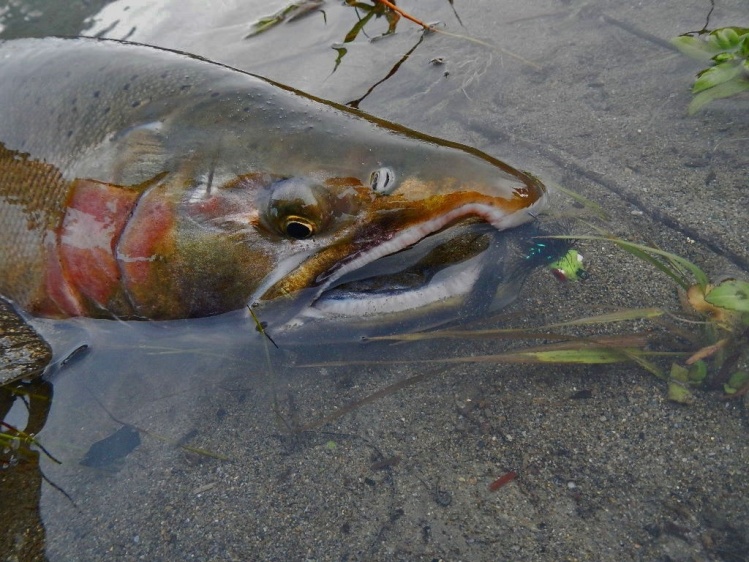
447, 288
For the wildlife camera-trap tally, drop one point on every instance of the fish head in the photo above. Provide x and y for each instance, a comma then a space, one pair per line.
379, 256
366, 225
331, 216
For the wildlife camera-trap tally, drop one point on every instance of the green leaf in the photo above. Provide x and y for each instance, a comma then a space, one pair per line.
719, 41
580, 356
727, 38
725, 90
732, 294
715, 76
724, 57
743, 48
697, 372
679, 373
737, 381
358, 26
694, 47
679, 393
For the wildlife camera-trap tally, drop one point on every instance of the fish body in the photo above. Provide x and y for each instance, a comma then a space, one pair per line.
141, 183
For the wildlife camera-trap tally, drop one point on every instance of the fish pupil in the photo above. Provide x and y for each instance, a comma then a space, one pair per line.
298, 230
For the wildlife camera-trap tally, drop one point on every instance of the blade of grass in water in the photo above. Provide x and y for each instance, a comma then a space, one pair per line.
581, 356
370, 398
594, 207
639, 359
410, 381
260, 328
619, 316
287, 13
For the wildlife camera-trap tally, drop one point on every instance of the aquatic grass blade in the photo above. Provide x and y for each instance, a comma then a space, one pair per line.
584, 356
358, 26
570, 353
503, 333
520, 333
677, 271
595, 356
21, 436
592, 206
707, 351
725, 90
611, 317
673, 273
638, 357
695, 47
288, 13
716, 75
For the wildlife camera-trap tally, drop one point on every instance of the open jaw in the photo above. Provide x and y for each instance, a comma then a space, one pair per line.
432, 265
438, 268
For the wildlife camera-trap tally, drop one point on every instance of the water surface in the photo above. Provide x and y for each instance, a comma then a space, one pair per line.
586, 94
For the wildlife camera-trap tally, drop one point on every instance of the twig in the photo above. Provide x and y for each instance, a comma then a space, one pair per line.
405, 14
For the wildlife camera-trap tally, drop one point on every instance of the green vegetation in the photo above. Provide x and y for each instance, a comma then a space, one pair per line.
298, 9
290, 12
720, 310
717, 315
726, 50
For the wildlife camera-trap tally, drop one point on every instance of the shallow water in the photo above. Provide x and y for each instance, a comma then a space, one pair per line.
585, 94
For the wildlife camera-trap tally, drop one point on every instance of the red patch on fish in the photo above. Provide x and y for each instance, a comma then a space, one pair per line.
146, 244
96, 215
81, 269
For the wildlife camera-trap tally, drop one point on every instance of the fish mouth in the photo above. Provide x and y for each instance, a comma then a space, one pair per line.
435, 264
440, 267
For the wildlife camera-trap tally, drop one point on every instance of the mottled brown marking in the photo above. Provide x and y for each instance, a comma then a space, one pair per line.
33, 196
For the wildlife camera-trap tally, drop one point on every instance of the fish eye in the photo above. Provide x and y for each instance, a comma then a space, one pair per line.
382, 181
297, 208
298, 228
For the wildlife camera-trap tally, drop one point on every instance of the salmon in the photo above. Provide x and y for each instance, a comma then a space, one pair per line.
142, 183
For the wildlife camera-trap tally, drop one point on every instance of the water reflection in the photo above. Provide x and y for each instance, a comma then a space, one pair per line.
335, 36
22, 536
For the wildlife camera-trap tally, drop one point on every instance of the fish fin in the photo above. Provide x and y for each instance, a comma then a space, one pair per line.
141, 156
